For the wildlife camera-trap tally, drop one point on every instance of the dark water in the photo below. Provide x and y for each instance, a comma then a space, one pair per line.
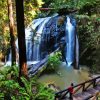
65, 76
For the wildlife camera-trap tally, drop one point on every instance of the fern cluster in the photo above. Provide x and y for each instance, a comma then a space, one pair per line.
10, 88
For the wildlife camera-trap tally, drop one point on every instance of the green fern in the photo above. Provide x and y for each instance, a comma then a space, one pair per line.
28, 86
44, 93
32, 90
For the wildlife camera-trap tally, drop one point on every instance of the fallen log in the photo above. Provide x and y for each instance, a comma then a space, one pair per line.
34, 68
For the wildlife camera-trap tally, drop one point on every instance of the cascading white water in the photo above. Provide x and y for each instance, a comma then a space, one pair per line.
28, 37
43, 34
37, 22
37, 42
9, 55
70, 41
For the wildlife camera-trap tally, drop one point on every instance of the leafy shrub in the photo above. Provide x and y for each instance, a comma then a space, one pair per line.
53, 62
96, 66
44, 93
89, 37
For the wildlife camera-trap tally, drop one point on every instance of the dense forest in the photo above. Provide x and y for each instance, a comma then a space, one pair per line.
16, 15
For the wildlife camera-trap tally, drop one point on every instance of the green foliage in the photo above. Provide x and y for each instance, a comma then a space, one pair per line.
11, 89
89, 6
9, 72
53, 62
60, 3
4, 34
89, 33
89, 37
44, 93
96, 65
83, 6
31, 9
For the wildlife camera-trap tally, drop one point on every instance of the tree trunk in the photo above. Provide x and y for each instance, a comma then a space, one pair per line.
12, 32
21, 38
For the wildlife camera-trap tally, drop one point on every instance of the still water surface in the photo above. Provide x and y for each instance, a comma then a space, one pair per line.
64, 76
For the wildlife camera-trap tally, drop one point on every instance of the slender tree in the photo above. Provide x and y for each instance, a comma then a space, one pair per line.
21, 37
12, 32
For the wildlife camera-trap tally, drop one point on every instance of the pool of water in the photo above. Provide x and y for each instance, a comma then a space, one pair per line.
65, 76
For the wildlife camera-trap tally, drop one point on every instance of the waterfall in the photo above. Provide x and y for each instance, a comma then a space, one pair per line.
9, 55
28, 37
37, 22
37, 42
70, 41
43, 36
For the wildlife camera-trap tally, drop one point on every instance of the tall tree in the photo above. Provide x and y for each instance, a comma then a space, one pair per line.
12, 33
4, 29
21, 37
